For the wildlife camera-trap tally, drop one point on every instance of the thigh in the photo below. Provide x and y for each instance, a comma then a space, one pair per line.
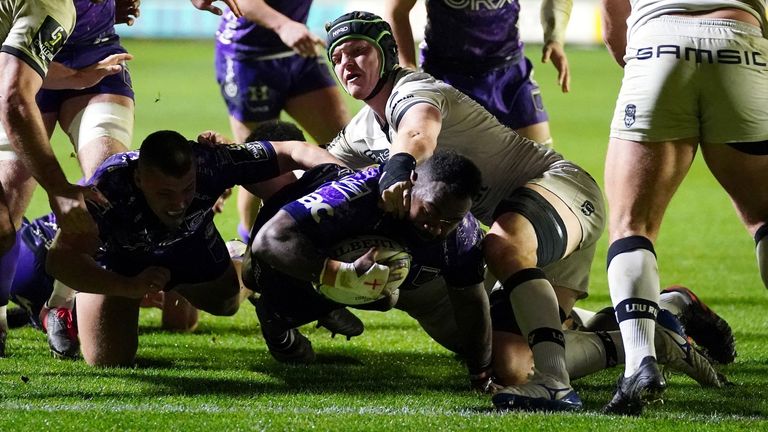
640, 180
99, 125
108, 329
321, 112
738, 173
220, 296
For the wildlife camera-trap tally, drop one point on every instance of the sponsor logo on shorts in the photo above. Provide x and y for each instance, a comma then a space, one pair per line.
721, 56
587, 208
629, 115
49, 39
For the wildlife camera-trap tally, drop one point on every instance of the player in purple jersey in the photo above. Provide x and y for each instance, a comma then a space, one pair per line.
291, 251
476, 48
156, 232
32, 34
267, 62
32, 285
97, 119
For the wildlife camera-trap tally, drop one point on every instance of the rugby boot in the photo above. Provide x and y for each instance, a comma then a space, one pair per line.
342, 321
286, 346
61, 329
676, 353
646, 385
707, 329
542, 392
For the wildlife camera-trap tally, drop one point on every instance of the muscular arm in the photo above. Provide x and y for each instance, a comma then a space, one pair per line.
417, 131
281, 244
615, 14
21, 119
70, 260
62, 77
396, 12
299, 155
473, 319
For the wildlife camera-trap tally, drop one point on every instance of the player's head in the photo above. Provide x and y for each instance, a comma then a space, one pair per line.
442, 193
276, 130
166, 175
349, 35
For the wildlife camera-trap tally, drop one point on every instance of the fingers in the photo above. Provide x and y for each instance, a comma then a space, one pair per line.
157, 277
234, 7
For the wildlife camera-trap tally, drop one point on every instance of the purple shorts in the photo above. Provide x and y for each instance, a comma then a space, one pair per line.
50, 101
257, 90
201, 257
508, 92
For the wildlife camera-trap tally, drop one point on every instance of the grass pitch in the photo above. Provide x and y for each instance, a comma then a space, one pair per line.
393, 376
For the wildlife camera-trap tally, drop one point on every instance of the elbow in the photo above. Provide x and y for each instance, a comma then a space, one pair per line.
263, 246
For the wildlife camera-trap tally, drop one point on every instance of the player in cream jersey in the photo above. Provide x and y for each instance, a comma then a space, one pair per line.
695, 79
506, 159
545, 212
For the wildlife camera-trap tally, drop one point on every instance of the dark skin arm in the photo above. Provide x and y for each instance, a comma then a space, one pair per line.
473, 319
281, 244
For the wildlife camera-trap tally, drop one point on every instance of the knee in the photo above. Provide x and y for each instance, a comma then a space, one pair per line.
107, 356
225, 307
505, 257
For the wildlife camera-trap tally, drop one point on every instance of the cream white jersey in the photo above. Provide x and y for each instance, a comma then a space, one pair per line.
644, 10
506, 160
35, 30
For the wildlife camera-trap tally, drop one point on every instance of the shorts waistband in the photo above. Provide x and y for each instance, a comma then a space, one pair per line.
473, 67
710, 22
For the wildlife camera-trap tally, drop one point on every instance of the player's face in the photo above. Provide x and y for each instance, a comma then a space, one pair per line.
167, 196
356, 63
434, 211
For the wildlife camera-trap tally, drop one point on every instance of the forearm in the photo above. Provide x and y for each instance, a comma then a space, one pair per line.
24, 126
555, 15
473, 318
295, 155
398, 15
81, 272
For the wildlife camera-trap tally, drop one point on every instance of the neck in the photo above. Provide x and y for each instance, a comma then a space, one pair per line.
378, 103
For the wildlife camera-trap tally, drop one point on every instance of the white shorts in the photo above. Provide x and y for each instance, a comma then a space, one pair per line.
694, 78
583, 196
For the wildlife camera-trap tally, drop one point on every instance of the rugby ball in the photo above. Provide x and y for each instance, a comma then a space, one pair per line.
388, 252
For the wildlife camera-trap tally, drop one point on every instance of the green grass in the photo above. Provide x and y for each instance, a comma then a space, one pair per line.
393, 376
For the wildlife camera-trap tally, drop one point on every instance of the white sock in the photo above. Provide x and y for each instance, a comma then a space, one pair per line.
762, 259
535, 306
62, 296
635, 275
674, 302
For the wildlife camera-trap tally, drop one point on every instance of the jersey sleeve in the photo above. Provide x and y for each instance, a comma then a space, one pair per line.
236, 164
465, 262
337, 209
38, 30
413, 90
362, 142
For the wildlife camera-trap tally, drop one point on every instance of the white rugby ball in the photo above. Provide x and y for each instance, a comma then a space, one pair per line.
388, 252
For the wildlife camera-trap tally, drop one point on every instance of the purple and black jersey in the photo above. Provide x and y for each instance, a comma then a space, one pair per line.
472, 31
94, 35
132, 235
247, 39
348, 207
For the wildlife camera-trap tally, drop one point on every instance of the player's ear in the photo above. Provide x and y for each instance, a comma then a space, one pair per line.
137, 177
